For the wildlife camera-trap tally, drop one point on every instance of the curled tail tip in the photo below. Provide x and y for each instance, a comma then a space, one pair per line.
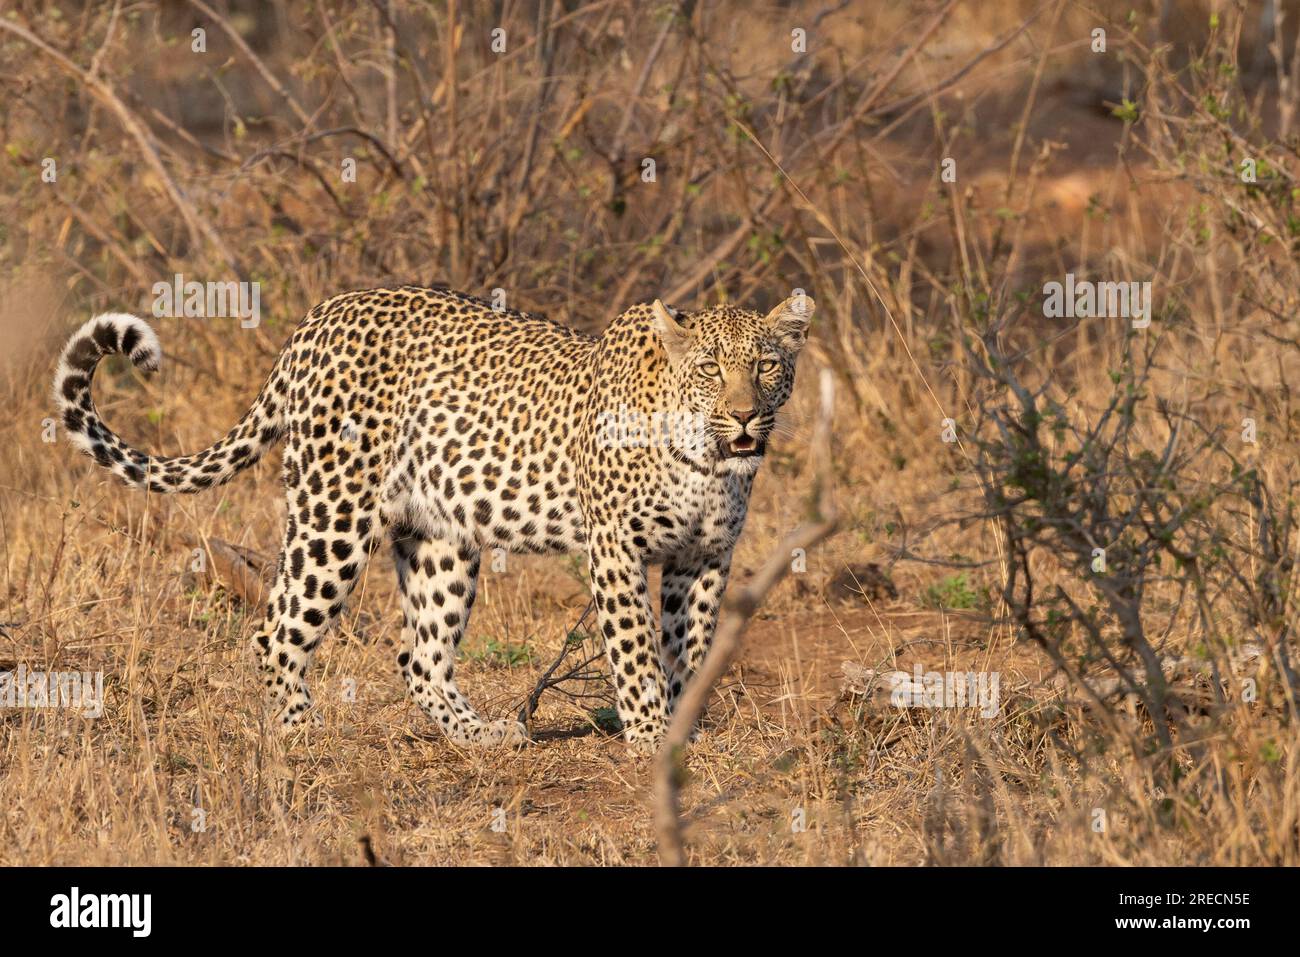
135, 338
111, 333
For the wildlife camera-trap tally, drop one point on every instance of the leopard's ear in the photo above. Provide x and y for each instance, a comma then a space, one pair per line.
789, 321
675, 337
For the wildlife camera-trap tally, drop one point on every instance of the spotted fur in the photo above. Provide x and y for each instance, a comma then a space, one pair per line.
460, 429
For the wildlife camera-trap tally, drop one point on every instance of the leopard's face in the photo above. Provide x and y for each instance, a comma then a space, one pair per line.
731, 371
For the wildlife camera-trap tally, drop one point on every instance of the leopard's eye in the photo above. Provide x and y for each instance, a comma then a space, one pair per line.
710, 369
767, 365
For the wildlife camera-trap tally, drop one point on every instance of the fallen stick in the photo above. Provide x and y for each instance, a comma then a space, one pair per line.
240, 571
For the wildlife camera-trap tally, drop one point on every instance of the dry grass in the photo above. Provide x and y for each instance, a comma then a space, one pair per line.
524, 174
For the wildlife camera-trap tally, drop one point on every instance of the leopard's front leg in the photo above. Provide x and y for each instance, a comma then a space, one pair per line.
618, 578
692, 589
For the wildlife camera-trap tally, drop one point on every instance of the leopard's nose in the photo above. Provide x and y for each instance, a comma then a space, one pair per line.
743, 415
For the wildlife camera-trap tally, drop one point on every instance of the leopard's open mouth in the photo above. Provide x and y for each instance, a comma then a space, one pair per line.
741, 447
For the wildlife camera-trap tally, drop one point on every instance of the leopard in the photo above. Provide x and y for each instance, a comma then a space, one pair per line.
457, 428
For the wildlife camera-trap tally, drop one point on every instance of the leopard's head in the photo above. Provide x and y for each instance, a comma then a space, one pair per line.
731, 370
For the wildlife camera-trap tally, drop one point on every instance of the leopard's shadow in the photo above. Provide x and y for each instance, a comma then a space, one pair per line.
539, 737
564, 734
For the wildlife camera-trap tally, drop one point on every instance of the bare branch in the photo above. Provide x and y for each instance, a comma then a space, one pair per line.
198, 227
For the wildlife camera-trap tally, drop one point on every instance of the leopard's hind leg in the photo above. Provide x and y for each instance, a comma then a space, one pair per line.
332, 518
439, 578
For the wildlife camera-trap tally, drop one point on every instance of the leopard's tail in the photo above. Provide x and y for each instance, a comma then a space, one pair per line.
117, 333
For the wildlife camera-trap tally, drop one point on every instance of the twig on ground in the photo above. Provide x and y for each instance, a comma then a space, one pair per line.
576, 672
